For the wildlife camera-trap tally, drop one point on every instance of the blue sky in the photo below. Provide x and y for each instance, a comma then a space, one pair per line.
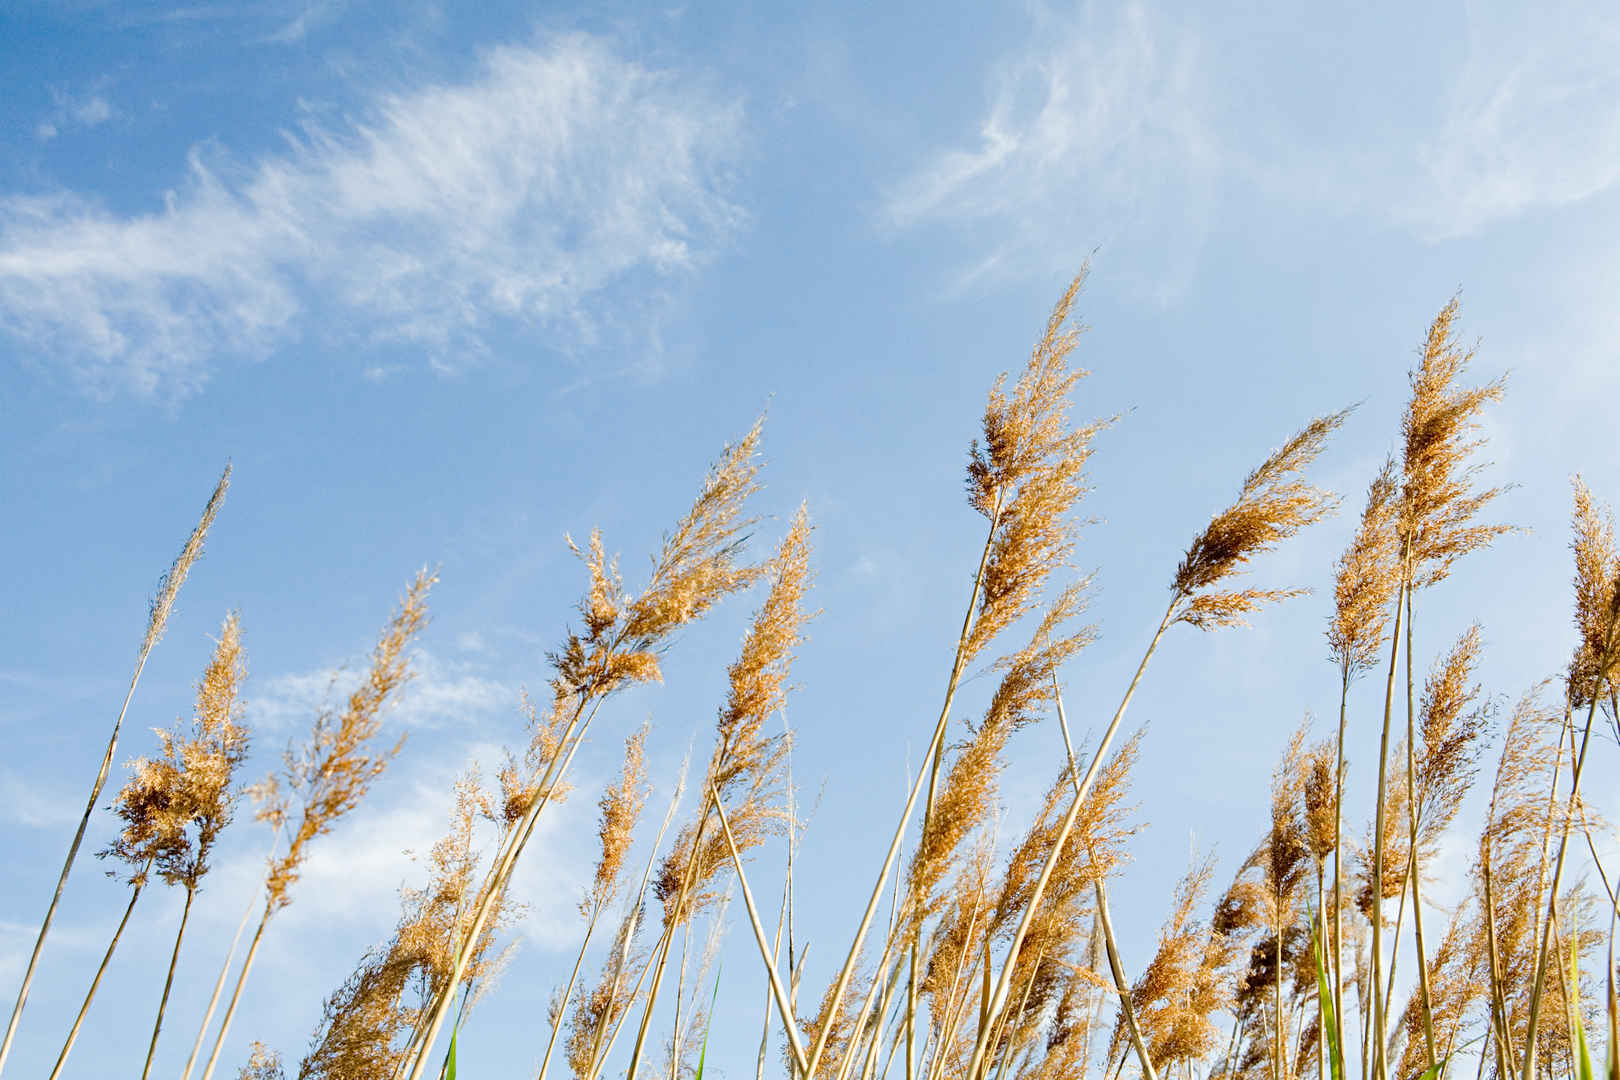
445, 284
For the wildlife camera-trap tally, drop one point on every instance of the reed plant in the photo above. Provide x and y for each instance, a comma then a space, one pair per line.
987, 948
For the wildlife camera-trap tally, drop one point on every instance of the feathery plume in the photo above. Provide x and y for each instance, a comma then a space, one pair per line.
1437, 505
1027, 477
1592, 671
746, 765
1272, 505
329, 777
1452, 738
263, 1064
1365, 578
621, 806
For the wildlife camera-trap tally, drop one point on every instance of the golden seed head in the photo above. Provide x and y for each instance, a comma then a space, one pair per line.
334, 771
1365, 578
1437, 503
1273, 505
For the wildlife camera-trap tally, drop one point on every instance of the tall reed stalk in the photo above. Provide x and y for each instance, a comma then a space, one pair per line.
157, 620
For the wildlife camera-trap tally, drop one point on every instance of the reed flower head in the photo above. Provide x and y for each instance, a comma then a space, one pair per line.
334, 771
366, 1023
1592, 670
174, 807
1437, 504
1453, 737
1272, 505
621, 806
1365, 578
746, 767
1027, 477
1182, 986
1317, 784
169, 584
263, 1064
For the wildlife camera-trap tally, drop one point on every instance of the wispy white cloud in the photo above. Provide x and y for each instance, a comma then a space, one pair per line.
70, 111
309, 17
1531, 119
1094, 134
526, 193
440, 692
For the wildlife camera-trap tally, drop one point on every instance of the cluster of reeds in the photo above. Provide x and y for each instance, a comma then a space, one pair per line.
997, 958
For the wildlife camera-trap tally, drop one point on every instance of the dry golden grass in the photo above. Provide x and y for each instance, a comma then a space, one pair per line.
998, 957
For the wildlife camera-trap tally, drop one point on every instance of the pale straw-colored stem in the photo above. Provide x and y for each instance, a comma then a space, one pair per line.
501, 873
67, 865
1003, 983
777, 992
168, 981
879, 986
219, 986
1338, 872
562, 1009
1376, 1039
599, 1061
1115, 967
1558, 872
765, 1028
1413, 858
90, 995
236, 994
930, 768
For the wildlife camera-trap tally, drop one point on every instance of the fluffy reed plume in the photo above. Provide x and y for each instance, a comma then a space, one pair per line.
1273, 504
1592, 675
1453, 738
1027, 477
173, 807
621, 805
622, 637
367, 1023
330, 775
1024, 480
263, 1064
157, 621
1435, 528
200, 768
1437, 503
746, 766
746, 763
1184, 984
1365, 579
966, 800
